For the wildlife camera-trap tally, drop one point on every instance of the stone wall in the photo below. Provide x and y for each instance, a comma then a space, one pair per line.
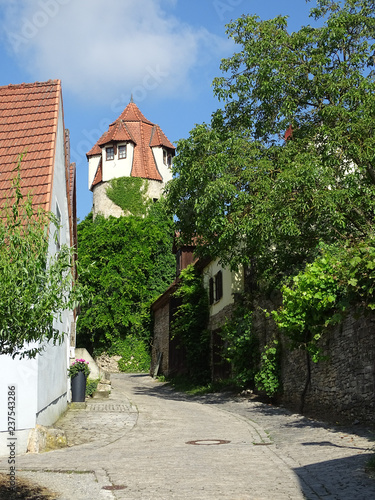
342, 387
161, 339
219, 319
104, 206
101, 204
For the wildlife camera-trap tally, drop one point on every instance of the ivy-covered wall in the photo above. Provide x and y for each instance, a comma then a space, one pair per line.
161, 341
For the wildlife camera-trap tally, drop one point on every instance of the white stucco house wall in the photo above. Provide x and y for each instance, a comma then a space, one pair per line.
42, 385
222, 285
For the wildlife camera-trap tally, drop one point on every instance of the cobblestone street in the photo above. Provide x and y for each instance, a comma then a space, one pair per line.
147, 442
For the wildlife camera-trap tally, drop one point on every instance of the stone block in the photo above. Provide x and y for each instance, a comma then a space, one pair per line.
43, 439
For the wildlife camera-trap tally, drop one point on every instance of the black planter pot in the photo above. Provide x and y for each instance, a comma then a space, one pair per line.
78, 387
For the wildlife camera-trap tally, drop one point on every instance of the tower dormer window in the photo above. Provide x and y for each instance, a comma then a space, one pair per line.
167, 158
110, 154
122, 152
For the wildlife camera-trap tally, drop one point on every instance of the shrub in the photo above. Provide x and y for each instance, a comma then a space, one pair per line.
135, 355
91, 386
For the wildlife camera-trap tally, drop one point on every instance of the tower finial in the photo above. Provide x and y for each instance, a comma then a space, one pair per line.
131, 98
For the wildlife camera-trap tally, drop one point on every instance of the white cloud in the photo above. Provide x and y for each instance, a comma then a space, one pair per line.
108, 49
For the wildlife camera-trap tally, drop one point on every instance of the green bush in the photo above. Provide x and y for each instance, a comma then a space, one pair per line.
91, 386
135, 355
241, 347
268, 377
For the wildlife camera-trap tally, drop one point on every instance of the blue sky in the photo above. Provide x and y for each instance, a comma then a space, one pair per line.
164, 52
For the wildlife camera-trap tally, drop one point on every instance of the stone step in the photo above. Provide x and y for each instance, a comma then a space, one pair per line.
101, 394
103, 386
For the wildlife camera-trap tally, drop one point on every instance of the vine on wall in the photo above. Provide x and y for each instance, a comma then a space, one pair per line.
241, 346
130, 194
189, 325
268, 378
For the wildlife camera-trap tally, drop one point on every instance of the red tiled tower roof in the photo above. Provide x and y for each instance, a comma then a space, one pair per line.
28, 124
132, 126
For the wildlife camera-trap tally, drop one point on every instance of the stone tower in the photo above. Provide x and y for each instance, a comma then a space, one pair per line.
132, 147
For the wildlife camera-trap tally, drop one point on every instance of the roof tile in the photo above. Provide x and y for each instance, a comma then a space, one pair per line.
28, 123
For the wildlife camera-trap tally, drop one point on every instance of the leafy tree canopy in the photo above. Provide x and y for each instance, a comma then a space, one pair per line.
34, 287
125, 263
246, 191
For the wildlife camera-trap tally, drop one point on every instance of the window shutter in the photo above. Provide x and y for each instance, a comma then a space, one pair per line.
211, 290
218, 285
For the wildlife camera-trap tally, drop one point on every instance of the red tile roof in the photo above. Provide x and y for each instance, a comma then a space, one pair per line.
28, 124
118, 131
132, 126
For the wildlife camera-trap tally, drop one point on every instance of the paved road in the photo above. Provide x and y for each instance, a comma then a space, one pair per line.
148, 442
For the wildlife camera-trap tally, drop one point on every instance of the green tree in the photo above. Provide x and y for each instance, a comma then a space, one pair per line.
249, 193
34, 287
125, 263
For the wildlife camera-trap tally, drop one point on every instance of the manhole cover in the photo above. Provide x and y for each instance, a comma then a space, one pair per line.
208, 442
115, 487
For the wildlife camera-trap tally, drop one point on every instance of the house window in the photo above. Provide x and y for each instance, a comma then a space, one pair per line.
218, 285
109, 153
122, 152
215, 288
211, 290
167, 158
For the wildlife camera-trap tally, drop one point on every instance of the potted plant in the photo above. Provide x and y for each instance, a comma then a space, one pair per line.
78, 372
